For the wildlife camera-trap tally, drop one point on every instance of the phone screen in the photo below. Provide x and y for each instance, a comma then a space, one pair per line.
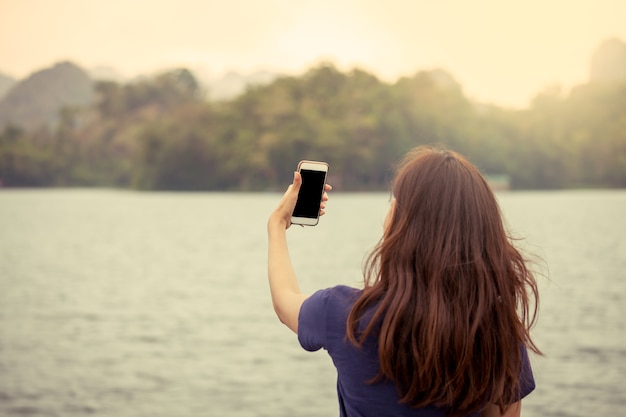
310, 195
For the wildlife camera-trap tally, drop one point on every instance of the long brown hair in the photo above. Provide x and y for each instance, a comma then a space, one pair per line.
452, 298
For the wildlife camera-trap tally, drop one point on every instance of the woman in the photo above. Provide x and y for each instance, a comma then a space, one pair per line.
441, 327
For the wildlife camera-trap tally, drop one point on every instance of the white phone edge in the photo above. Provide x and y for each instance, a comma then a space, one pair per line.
305, 221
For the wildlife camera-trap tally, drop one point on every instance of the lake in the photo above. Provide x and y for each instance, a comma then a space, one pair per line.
128, 304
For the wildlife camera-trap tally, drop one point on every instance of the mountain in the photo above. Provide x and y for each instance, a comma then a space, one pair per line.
106, 73
232, 83
37, 100
6, 83
218, 87
608, 62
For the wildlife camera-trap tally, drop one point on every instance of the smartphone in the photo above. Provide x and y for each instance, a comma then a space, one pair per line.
307, 210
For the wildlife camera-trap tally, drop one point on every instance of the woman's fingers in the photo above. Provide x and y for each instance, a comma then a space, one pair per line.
322, 209
327, 187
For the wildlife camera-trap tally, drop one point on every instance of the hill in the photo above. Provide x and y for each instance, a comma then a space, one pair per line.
106, 73
6, 83
233, 84
608, 63
37, 100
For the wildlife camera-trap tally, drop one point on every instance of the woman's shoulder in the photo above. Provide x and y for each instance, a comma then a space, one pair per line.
343, 293
322, 317
336, 299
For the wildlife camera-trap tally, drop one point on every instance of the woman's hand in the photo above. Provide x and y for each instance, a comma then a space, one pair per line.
282, 214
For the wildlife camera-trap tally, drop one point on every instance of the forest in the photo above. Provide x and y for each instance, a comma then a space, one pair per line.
162, 133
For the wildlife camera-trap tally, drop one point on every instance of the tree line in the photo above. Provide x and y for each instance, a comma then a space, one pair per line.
161, 133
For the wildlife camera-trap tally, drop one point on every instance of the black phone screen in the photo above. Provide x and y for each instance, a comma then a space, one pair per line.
310, 195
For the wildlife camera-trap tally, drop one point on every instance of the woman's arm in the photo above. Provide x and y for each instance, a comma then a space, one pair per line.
286, 295
493, 410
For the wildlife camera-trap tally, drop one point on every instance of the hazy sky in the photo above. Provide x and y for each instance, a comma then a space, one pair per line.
500, 51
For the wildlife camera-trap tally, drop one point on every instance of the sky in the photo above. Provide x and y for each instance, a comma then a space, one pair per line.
501, 51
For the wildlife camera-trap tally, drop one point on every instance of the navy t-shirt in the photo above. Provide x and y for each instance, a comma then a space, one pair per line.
322, 324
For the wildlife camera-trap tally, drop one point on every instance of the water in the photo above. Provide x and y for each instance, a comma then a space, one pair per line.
124, 304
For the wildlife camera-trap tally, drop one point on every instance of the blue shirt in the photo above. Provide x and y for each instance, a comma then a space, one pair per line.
322, 324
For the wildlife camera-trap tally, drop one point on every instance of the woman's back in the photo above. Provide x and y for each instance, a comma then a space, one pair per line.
322, 324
